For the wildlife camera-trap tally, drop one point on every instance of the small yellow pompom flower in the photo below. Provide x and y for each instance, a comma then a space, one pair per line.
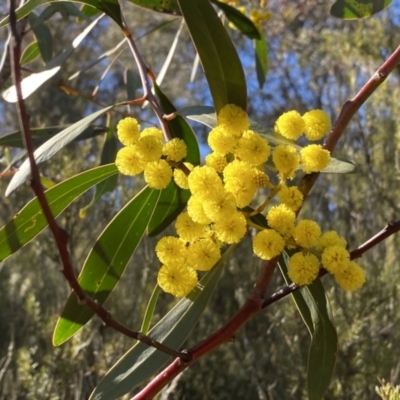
196, 210
335, 258
216, 161
221, 206
234, 119
158, 174
317, 124
221, 140
261, 179
268, 244
187, 229
149, 148
281, 218
180, 178
314, 158
153, 131
303, 268
252, 148
203, 255
177, 279
175, 150
291, 197
128, 131
307, 233
329, 239
204, 181
171, 250
231, 230
290, 125
128, 162
286, 160
351, 277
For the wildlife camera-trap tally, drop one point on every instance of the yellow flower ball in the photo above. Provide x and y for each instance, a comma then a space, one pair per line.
177, 279
232, 229
128, 161
291, 197
216, 161
171, 250
203, 181
252, 148
268, 244
180, 178
329, 239
281, 218
158, 174
221, 140
220, 206
286, 160
203, 255
175, 150
314, 158
335, 258
290, 125
149, 148
187, 229
128, 131
153, 131
351, 276
261, 179
303, 269
195, 210
307, 233
317, 124
234, 119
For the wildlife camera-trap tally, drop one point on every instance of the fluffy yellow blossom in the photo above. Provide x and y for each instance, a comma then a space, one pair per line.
268, 244
286, 160
261, 179
239, 178
171, 250
290, 125
329, 239
220, 206
281, 218
128, 162
252, 148
153, 131
314, 158
149, 148
303, 268
196, 210
221, 140
175, 150
351, 276
187, 229
180, 178
335, 258
291, 197
231, 230
317, 124
177, 279
128, 131
203, 254
307, 233
233, 119
203, 181
216, 161
158, 174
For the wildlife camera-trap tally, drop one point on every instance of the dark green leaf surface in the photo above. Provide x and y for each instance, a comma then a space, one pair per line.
163, 6
30, 53
218, 56
243, 23
107, 261
30, 221
356, 9
141, 361
261, 58
51, 147
43, 37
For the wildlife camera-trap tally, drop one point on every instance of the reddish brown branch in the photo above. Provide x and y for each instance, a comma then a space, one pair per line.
60, 237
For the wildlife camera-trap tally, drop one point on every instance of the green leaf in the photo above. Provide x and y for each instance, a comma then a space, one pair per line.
163, 6
141, 361
51, 147
261, 58
242, 23
34, 81
43, 37
171, 203
30, 221
217, 54
206, 116
40, 135
30, 53
107, 261
313, 308
356, 9
148, 315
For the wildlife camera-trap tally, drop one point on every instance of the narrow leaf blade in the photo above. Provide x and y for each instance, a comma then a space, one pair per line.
356, 9
30, 53
262, 59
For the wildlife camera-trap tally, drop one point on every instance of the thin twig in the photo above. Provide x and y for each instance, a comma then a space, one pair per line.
60, 236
